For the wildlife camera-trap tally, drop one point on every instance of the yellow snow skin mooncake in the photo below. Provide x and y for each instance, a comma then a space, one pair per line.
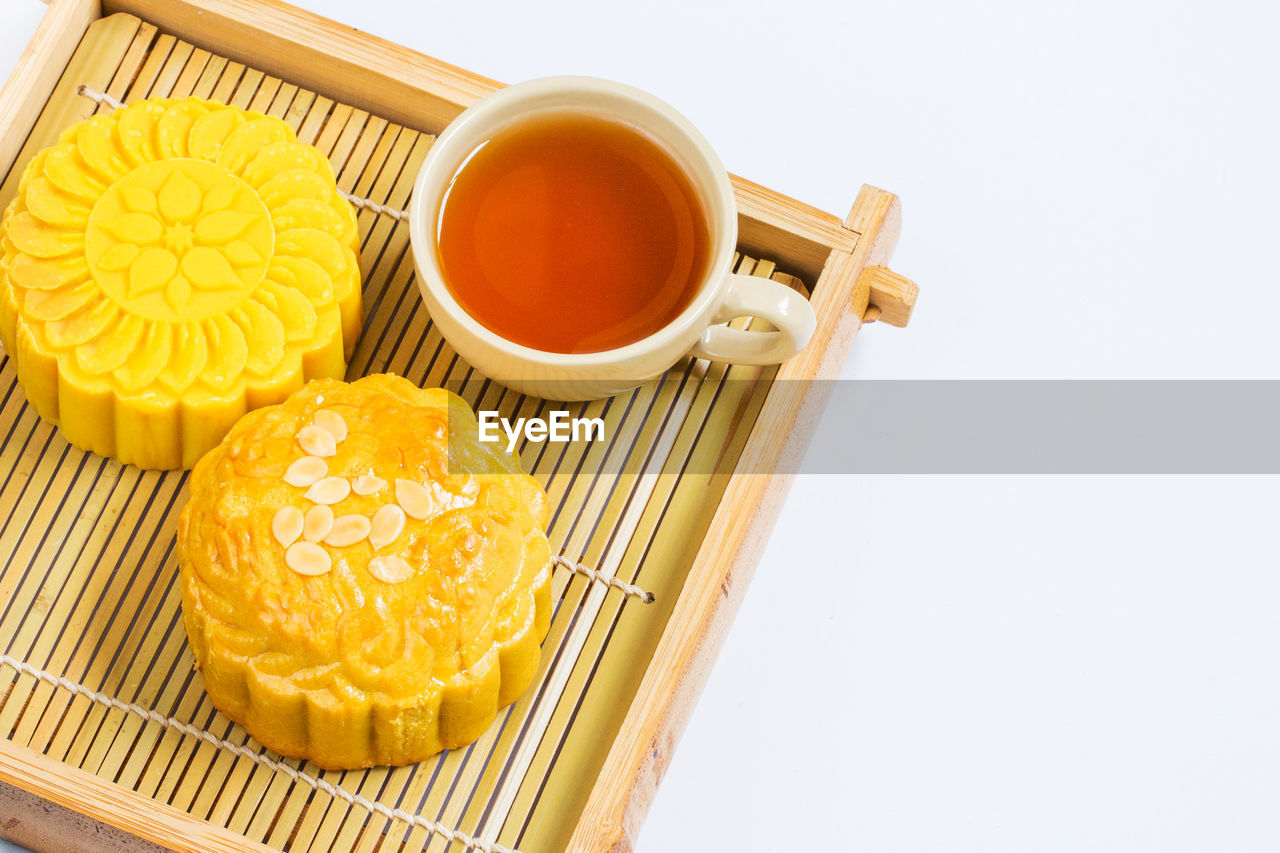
170, 265
363, 581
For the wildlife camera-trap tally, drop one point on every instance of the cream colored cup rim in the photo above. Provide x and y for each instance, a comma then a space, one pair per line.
441, 163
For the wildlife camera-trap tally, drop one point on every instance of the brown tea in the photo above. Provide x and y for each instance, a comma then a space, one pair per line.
569, 233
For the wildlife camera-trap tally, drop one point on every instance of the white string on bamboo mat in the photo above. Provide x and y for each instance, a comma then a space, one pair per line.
99, 97
367, 204
599, 577
451, 835
102, 98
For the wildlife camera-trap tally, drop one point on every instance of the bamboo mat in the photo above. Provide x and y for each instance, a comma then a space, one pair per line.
88, 575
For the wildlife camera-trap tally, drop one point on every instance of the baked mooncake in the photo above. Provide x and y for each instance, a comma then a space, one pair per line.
363, 581
168, 266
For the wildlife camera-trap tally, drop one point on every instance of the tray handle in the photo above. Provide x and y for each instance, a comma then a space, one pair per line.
892, 297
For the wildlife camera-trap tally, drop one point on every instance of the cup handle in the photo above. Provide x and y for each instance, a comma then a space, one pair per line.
753, 296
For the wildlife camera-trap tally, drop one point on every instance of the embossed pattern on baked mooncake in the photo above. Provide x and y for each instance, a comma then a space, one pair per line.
168, 266
363, 581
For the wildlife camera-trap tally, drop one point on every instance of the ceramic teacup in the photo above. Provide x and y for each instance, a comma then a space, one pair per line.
698, 330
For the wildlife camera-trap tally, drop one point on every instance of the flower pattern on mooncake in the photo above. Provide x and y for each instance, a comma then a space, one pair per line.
168, 266
364, 581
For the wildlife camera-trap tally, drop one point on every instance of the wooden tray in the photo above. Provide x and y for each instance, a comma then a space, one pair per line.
87, 580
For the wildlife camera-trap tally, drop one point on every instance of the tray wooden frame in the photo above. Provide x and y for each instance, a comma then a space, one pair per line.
845, 258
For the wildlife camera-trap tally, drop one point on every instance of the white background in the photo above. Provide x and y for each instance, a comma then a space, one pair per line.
979, 664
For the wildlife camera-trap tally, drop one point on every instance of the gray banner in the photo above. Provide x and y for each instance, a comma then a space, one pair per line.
914, 427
